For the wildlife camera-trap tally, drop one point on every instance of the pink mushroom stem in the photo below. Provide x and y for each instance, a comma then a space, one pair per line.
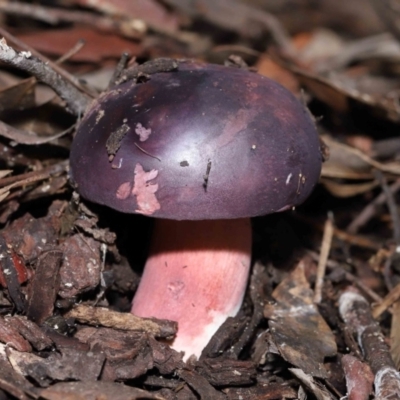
196, 274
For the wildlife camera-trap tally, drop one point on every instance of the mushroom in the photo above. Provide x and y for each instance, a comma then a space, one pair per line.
202, 149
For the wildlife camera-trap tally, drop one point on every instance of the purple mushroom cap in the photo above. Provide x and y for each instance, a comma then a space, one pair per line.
202, 142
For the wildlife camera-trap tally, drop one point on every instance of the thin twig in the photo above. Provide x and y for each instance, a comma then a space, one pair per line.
236, 49
335, 265
354, 240
370, 210
34, 176
147, 69
387, 302
387, 270
145, 152
357, 240
122, 63
325, 249
61, 71
76, 100
71, 52
391, 206
388, 11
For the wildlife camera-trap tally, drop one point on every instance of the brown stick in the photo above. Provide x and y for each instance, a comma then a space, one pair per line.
76, 100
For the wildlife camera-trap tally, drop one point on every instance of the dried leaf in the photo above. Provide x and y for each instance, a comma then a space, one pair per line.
343, 98
300, 333
4, 195
5, 172
29, 138
267, 67
323, 90
32, 177
354, 160
18, 96
99, 46
338, 170
340, 189
150, 11
315, 388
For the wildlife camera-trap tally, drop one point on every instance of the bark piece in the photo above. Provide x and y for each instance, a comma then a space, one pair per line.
10, 275
44, 287
14, 383
9, 335
88, 225
166, 359
65, 342
71, 364
258, 281
129, 368
359, 378
80, 269
31, 332
186, 393
99, 390
116, 345
227, 372
124, 321
200, 385
226, 335
161, 382
263, 391
130, 354
30, 236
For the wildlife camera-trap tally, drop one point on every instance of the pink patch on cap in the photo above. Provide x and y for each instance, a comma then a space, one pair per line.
142, 132
145, 192
124, 190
